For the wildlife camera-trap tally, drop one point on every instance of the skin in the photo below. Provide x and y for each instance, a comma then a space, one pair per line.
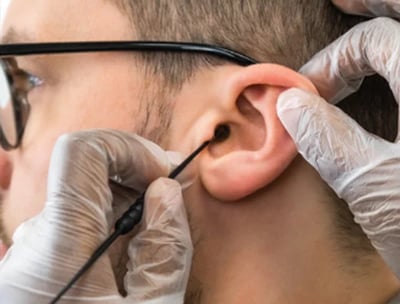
239, 257
73, 82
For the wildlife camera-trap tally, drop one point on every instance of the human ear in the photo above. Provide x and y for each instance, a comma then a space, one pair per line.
258, 148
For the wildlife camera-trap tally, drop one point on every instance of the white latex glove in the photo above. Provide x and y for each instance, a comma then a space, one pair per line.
388, 8
362, 169
79, 214
368, 48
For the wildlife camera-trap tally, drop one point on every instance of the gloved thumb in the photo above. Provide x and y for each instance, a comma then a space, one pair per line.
361, 168
332, 142
160, 255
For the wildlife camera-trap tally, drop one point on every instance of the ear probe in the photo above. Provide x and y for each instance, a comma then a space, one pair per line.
134, 214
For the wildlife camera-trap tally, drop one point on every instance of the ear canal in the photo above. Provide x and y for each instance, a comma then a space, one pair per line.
221, 133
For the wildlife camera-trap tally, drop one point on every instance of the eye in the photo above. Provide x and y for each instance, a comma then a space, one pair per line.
33, 80
26, 81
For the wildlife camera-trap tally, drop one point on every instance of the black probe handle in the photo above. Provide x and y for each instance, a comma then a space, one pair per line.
131, 217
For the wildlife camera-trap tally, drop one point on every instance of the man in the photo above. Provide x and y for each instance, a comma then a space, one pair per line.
264, 225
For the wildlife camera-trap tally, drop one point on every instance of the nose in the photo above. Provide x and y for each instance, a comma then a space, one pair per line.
5, 170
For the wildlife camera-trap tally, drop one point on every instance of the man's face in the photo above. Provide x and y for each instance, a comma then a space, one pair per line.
79, 91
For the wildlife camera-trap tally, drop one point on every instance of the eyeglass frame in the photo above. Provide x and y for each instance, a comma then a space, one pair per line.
20, 103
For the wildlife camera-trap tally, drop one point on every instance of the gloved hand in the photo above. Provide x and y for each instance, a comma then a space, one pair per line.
362, 169
79, 214
388, 8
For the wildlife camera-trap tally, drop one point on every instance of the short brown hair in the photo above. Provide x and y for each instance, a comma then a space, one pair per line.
286, 32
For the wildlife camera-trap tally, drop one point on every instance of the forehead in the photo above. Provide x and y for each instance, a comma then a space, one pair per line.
52, 21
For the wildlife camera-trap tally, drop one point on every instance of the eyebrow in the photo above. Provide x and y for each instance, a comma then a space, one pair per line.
13, 36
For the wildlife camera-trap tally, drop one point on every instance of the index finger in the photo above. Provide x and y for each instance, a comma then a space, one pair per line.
368, 48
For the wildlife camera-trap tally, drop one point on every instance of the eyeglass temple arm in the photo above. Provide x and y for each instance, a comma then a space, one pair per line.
106, 46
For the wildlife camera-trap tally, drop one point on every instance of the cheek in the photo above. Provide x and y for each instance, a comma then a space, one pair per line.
26, 194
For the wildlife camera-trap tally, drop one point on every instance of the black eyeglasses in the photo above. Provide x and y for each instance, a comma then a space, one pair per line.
15, 83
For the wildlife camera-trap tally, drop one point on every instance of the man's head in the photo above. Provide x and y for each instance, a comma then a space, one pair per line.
258, 213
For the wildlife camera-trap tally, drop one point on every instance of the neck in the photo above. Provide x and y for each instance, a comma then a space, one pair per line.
278, 247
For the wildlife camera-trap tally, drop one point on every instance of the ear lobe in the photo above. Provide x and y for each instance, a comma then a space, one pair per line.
259, 149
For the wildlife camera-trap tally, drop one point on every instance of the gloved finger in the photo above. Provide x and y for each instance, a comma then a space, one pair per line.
332, 142
388, 8
108, 153
160, 255
79, 194
368, 48
84, 161
30, 270
123, 198
361, 168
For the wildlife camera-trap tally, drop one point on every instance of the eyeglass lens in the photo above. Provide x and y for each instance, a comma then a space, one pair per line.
7, 112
